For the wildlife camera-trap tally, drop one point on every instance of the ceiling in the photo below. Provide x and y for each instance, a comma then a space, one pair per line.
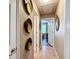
46, 6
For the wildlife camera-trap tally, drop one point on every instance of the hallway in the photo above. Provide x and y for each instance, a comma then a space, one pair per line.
26, 32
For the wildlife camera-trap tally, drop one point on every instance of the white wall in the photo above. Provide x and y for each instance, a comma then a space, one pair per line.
59, 40
60, 35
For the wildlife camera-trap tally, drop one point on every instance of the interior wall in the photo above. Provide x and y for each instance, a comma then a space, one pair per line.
60, 35
23, 36
36, 9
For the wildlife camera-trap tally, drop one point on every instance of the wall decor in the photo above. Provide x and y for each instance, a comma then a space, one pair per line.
57, 23
28, 25
28, 44
28, 6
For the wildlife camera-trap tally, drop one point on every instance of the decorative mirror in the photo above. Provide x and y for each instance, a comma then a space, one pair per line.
57, 23
28, 44
28, 6
28, 26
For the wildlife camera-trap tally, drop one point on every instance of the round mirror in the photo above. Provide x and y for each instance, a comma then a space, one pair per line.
28, 44
57, 23
28, 26
28, 6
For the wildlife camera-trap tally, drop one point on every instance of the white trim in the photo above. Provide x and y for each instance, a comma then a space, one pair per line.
18, 29
67, 29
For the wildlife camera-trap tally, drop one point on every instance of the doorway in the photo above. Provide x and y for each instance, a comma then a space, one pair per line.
44, 32
46, 49
47, 38
47, 32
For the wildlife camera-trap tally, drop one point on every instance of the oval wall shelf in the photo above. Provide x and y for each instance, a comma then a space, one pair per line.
28, 25
28, 6
57, 23
28, 44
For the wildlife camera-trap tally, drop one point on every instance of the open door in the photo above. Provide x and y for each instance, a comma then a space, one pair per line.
12, 21
51, 32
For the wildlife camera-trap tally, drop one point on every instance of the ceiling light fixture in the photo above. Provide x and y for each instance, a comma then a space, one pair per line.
45, 1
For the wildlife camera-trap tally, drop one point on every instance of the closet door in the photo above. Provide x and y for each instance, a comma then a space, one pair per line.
12, 27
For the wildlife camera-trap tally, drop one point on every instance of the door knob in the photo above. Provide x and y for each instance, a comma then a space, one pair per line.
13, 51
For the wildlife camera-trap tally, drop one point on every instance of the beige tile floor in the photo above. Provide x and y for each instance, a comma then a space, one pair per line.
47, 52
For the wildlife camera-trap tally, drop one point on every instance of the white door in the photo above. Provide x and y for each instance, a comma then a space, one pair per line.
12, 33
36, 35
51, 32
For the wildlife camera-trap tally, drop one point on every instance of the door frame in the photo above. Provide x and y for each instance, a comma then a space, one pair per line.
18, 29
13, 30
